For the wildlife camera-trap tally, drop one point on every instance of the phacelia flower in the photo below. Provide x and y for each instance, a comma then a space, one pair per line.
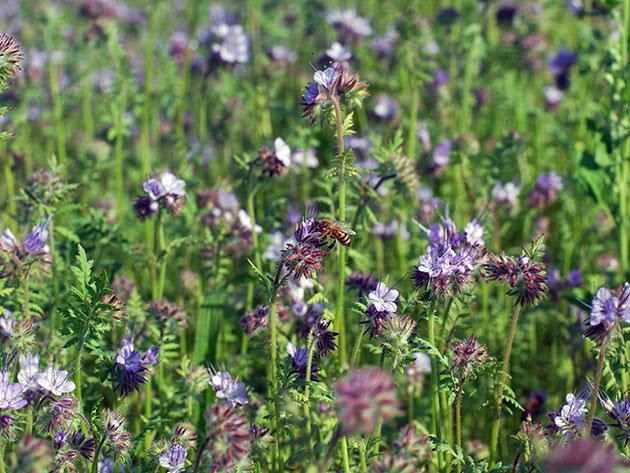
384, 45
29, 371
130, 367
299, 362
168, 315
11, 393
281, 55
584, 456
273, 162
252, 320
306, 256
383, 299
84, 445
229, 436
164, 190
315, 325
11, 57
299, 156
545, 192
7, 324
525, 275
385, 107
36, 240
560, 66
174, 458
440, 155
230, 44
467, 357
349, 25
55, 381
232, 390
506, 194
365, 398
570, 420
337, 53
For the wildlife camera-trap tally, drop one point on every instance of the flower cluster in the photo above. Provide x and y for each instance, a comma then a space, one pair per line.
33, 249
467, 357
169, 316
338, 83
365, 398
273, 162
11, 58
546, 190
447, 268
164, 190
252, 320
362, 282
525, 275
306, 256
299, 362
130, 368
229, 437
312, 324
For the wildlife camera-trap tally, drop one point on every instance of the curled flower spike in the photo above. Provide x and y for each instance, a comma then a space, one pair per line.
228, 437
11, 57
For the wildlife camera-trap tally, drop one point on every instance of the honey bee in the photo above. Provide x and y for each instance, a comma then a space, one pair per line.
339, 231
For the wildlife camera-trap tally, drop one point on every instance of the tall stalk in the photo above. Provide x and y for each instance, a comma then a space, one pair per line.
307, 392
435, 398
499, 389
339, 316
273, 335
458, 421
598, 379
159, 247
58, 111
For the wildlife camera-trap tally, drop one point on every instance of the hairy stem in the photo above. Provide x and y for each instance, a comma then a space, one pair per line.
339, 316
307, 392
435, 398
598, 379
496, 422
458, 421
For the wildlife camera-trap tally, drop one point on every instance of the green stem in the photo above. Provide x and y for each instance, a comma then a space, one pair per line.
55, 276
307, 393
339, 316
97, 454
147, 412
120, 192
273, 334
344, 455
435, 399
458, 421
9, 180
356, 349
598, 379
496, 422
27, 313
364, 468
2, 470
159, 246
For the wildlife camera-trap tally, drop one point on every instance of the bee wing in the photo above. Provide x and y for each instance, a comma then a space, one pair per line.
345, 226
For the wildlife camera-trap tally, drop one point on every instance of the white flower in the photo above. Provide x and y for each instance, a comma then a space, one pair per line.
29, 370
8, 242
232, 390
283, 152
325, 78
383, 298
246, 221
338, 53
55, 381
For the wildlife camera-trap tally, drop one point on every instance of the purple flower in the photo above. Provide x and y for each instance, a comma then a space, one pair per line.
385, 107
506, 194
351, 27
441, 152
231, 44
60, 439
36, 241
166, 184
130, 367
562, 61
384, 45
55, 381
384, 299
10, 393
607, 306
232, 390
363, 282
174, 458
281, 54
311, 93
326, 78
299, 362
570, 419
440, 78
6, 325
574, 278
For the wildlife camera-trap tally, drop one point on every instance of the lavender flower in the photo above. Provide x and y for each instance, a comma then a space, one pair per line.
506, 194
164, 190
383, 299
232, 390
166, 183
8, 242
252, 320
299, 362
570, 419
7, 323
10, 393
384, 45
545, 191
231, 45
385, 107
440, 154
326, 78
560, 66
29, 371
298, 157
281, 55
306, 256
36, 240
130, 367
349, 25
174, 458
55, 381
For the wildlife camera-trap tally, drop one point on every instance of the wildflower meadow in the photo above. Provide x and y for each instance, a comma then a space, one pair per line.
268, 236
